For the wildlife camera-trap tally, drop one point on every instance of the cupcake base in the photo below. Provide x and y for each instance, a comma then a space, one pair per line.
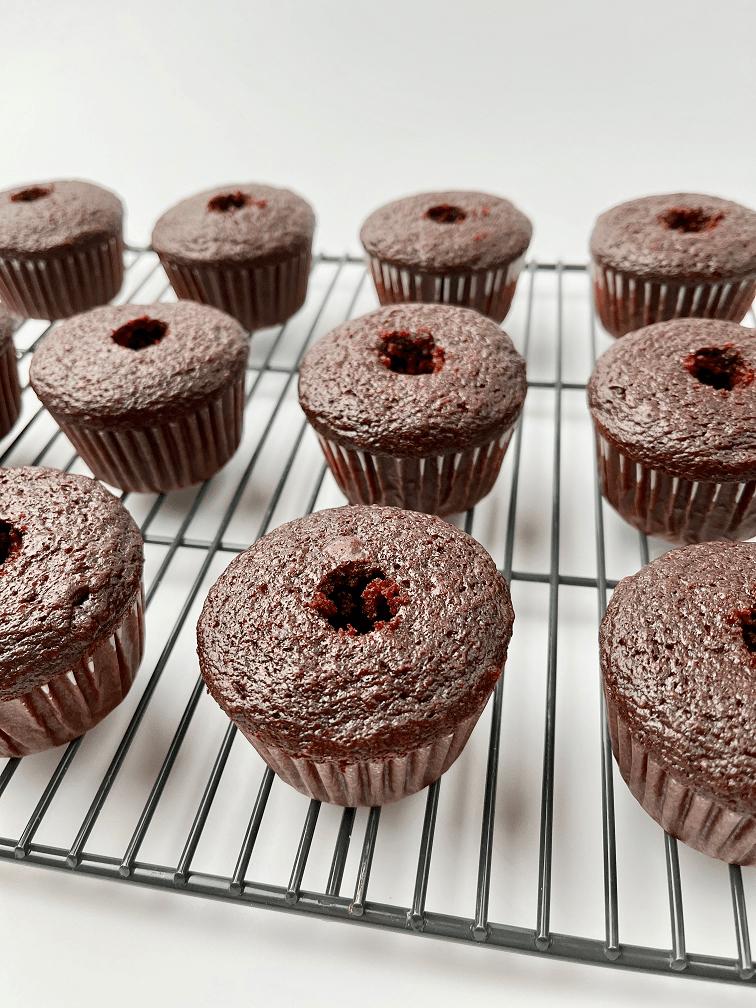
697, 819
488, 291
10, 391
678, 510
440, 484
167, 457
367, 782
79, 698
624, 303
61, 285
258, 296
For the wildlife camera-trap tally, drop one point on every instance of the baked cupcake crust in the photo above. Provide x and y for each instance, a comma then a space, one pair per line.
281, 671
73, 567
491, 232
65, 214
350, 396
646, 400
269, 225
83, 375
649, 238
678, 671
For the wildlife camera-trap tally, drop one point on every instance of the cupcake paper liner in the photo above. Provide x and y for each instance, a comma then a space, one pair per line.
489, 291
367, 782
10, 391
678, 510
698, 819
438, 484
166, 457
62, 285
75, 700
258, 296
625, 304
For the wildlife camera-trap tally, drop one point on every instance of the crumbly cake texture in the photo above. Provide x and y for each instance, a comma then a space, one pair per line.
71, 569
677, 236
452, 230
236, 224
83, 375
678, 653
286, 675
45, 216
680, 397
351, 395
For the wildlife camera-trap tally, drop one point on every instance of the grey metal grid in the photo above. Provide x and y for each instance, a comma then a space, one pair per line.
276, 475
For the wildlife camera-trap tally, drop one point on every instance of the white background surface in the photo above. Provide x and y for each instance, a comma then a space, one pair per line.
566, 109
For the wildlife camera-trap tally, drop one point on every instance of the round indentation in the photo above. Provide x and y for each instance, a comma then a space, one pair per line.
140, 333
689, 220
31, 194
227, 202
410, 352
80, 597
10, 540
446, 214
721, 367
357, 599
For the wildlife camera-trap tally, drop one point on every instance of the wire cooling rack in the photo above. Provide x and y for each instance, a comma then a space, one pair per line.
526, 827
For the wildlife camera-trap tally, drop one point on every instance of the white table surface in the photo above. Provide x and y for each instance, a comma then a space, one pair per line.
566, 109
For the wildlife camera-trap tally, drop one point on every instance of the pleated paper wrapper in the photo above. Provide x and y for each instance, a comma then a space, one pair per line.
10, 391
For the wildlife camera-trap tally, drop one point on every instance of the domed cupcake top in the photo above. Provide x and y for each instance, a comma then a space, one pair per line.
678, 651
678, 236
356, 633
136, 365
452, 230
413, 380
234, 223
70, 565
47, 215
680, 397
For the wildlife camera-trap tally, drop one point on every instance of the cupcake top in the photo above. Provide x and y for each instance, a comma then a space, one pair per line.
679, 236
138, 365
454, 230
680, 397
235, 223
356, 633
46, 216
70, 566
6, 331
413, 380
678, 653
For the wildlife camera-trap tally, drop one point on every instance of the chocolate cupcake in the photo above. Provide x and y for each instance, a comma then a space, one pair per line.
151, 396
456, 247
356, 649
676, 256
245, 249
678, 654
414, 405
673, 406
10, 390
72, 604
61, 248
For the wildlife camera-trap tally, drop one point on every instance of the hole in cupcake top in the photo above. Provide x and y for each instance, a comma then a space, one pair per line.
689, 220
140, 333
410, 353
80, 597
10, 540
446, 214
721, 367
357, 598
31, 194
227, 202
748, 625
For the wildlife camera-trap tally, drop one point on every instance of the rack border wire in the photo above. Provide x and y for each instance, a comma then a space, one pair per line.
356, 909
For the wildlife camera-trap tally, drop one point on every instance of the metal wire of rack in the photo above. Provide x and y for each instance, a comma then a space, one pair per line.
278, 474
